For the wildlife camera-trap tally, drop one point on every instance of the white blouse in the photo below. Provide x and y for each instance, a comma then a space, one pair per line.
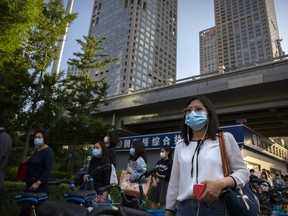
209, 167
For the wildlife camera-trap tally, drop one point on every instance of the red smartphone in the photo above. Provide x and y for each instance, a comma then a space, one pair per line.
198, 190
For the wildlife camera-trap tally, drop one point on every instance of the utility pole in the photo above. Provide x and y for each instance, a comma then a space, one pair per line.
56, 63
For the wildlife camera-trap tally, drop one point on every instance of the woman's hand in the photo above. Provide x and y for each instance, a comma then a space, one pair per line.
85, 178
34, 186
159, 176
104, 197
213, 190
27, 159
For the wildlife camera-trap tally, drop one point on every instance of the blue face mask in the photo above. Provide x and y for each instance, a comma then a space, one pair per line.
196, 120
132, 151
38, 141
96, 152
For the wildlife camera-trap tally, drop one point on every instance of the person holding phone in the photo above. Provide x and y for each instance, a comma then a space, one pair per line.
197, 164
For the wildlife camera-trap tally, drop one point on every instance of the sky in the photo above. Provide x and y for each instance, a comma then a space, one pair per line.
193, 17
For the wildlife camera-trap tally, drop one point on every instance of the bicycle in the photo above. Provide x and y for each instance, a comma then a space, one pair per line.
133, 207
31, 200
127, 208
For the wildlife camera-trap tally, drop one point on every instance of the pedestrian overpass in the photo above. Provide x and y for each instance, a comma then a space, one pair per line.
256, 96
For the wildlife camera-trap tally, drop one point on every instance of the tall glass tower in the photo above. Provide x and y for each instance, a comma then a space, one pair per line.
142, 35
247, 33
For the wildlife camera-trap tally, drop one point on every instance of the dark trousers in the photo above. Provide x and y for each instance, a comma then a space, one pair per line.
192, 207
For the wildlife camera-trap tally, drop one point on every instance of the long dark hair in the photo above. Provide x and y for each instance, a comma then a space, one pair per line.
113, 137
139, 150
213, 126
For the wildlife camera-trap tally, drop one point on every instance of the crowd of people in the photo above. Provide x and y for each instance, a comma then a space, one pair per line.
267, 181
196, 160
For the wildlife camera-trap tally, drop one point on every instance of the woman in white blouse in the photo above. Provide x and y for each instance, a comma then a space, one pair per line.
197, 160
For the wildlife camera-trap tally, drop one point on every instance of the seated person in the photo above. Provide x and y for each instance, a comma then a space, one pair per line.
101, 178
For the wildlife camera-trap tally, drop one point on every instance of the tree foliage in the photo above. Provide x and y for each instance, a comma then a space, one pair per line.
92, 56
31, 98
81, 97
31, 94
16, 22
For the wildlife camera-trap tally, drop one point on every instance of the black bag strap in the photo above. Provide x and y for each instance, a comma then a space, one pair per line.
224, 157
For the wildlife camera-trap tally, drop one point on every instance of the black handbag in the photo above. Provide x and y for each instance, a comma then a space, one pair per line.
239, 201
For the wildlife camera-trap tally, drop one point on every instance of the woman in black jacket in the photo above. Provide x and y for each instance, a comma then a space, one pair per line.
101, 178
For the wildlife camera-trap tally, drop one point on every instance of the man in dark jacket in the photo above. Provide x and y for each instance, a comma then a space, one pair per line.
5, 149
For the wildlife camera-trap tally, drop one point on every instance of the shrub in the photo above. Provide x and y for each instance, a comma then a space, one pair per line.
8, 205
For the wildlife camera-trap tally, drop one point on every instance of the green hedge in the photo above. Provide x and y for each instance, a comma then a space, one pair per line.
8, 205
10, 174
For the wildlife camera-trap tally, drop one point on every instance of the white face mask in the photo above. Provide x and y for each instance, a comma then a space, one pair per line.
132, 151
106, 139
38, 142
162, 155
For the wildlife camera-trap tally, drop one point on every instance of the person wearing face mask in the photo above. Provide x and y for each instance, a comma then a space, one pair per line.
253, 178
264, 182
197, 159
138, 160
101, 178
278, 181
157, 195
40, 165
111, 140
131, 161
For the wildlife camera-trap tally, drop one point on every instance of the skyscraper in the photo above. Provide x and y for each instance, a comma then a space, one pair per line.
142, 35
247, 33
208, 50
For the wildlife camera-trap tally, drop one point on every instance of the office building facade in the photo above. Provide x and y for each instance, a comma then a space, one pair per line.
141, 34
247, 33
208, 50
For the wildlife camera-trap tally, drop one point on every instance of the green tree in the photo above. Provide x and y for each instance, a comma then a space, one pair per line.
38, 92
82, 97
16, 22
